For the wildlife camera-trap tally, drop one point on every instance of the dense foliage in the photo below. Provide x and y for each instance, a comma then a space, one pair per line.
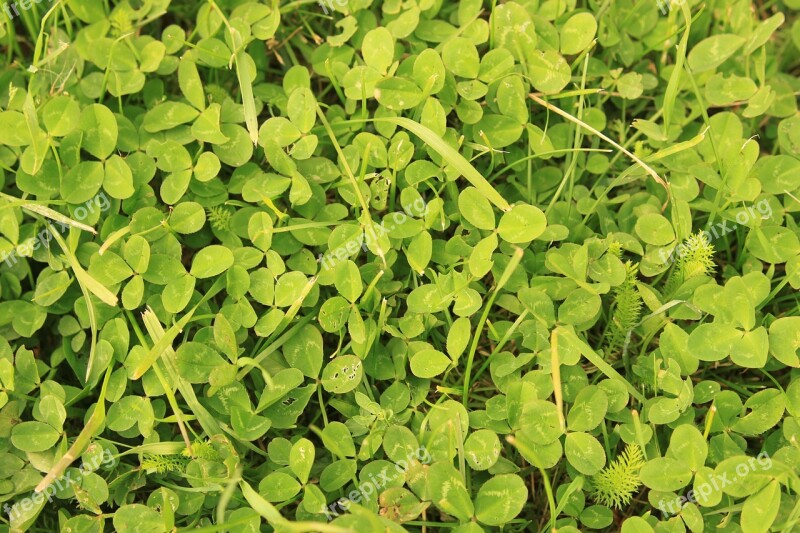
398, 265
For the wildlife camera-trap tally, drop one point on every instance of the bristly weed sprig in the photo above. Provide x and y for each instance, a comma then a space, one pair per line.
615, 485
695, 257
627, 308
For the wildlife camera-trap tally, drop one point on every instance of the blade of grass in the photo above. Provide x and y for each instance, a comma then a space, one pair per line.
39, 141
245, 83
510, 267
157, 333
353, 182
87, 284
452, 156
275, 519
673, 85
114, 237
227, 494
166, 341
525, 450
58, 217
599, 362
555, 368
94, 424
647, 168
179, 416
40, 38
162, 342
569, 175
44, 211
281, 327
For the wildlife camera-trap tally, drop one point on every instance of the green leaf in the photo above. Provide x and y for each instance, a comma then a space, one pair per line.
499, 130
584, 453
761, 509
588, 410
342, 374
712, 51
190, 82
196, 361
378, 49
688, 446
61, 115
119, 178
458, 337
500, 499
304, 351
136, 518
666, 474
461, 57
302, 108
187, 217
429, 72
448, 491
301, 459
783, 342
206, 127
577, 33
247, 425
14, 129
766, 409
348, 280
476, 209
549, 71
482, 450
523, 223
167, 116
34, 436
82, 183
100, 132
655, 229
398, 94
429, 363
51, 288
211, 261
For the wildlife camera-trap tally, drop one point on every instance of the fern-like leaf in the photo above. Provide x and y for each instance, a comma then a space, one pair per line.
627, 310
695, 258
162, 464
201, 450
615, 248
219, 217
615, 485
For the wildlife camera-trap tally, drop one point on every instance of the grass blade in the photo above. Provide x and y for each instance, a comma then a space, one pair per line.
94, 424
275, 519
87, 284
599, 362
453, 158
647, 168
674, 83
167, 354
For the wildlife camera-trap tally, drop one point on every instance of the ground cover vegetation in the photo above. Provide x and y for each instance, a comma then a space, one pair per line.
416, 265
